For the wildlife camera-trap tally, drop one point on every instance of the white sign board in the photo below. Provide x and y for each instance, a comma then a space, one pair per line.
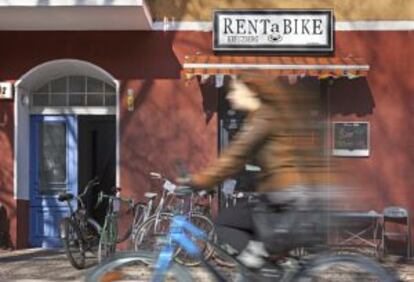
273, 30
6, 90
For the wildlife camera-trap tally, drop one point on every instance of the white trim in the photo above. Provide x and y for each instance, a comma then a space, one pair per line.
118, 133
71, 3
183, 26
110, 110
349, 153
147, 11
274, 67
339, 26
374, 25
21, 136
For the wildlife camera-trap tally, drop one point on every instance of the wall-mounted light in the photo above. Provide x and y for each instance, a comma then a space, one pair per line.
24, 99
130, 99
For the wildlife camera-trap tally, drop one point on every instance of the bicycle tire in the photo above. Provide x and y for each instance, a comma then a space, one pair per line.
107, 241
120, 260
346, 262
91, 235
123, 236
181, 257
72, 242
156, 225
139, 216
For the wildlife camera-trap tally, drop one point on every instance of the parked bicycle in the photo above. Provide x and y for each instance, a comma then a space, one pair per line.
318, 267
159, 221
143, 211
79, 232
110, 235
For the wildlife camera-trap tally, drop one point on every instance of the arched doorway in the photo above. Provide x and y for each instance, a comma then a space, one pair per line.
66, 115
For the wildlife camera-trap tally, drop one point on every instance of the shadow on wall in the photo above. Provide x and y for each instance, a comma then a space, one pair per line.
350, 96
5, 239
210, 97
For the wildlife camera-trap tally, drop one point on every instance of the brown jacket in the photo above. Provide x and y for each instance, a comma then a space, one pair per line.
285, 144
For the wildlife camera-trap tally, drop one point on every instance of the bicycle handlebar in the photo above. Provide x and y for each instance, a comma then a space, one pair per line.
155, 175
102, 196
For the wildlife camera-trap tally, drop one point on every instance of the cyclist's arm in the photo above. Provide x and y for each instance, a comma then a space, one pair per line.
233, 158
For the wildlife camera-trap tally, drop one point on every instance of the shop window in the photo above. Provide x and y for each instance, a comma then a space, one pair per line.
79, 91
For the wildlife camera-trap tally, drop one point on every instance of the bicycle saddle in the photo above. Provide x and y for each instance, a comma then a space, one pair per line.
150, 195
65, 197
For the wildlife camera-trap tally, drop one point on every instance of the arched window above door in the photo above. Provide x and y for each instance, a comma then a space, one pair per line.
74, 91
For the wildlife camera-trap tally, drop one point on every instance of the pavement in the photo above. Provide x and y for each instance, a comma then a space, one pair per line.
35, 265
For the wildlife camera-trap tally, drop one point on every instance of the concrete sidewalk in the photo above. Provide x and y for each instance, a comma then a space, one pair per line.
35, 265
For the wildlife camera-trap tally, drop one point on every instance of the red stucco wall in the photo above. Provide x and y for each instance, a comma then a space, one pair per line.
174, 119
385, 99
6, 172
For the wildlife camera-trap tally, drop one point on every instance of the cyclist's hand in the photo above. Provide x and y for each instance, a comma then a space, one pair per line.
183, 180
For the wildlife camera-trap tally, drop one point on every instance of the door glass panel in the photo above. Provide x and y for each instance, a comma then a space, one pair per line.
52, 158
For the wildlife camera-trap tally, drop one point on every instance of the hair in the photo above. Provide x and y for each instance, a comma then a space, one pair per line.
277, 89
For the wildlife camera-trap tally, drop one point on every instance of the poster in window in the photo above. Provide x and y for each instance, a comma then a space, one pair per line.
351, 139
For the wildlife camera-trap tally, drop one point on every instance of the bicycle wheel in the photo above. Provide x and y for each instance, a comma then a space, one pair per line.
90, 231
125, 216
134, 266
205, 224
107, 241
146, 238
222, 259
72, 243
139, 216
344, 268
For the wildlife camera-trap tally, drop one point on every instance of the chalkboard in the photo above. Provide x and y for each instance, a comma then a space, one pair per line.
351, 139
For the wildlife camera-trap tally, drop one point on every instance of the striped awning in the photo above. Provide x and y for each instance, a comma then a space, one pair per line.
321, 67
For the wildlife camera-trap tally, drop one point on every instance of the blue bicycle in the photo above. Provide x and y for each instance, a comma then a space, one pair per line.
161, 266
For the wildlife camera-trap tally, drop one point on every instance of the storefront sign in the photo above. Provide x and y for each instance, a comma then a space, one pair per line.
273, 30
6, 90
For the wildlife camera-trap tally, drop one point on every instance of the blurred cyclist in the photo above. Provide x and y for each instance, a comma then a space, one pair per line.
281, 135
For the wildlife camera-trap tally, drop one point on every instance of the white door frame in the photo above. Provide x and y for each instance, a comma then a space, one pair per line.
23, 88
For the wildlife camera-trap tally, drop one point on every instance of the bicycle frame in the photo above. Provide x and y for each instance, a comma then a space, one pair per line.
109, 233
79, 216
177, 238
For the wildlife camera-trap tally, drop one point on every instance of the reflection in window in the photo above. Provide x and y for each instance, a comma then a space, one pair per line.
52, 143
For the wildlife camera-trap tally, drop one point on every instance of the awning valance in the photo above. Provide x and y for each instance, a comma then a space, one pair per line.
321, 67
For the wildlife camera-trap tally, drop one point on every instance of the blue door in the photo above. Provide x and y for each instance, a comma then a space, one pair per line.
53, 169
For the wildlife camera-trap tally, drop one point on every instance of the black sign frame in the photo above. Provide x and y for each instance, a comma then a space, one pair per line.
327, 48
